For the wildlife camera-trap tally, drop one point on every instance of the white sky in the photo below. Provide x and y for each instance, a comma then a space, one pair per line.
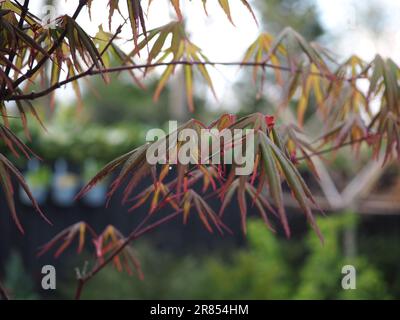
223, 42
341, 19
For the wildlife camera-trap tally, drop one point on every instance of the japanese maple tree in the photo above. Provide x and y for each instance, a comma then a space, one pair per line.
31, 52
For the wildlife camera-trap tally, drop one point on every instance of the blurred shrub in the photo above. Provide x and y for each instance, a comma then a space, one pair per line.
259, 272
320, 277
17, 281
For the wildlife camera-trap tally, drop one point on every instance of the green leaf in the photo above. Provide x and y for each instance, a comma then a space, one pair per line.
295, 184
273, 179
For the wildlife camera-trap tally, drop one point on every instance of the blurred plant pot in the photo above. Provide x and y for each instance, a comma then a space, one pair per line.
38, 180
65, 188
96, 197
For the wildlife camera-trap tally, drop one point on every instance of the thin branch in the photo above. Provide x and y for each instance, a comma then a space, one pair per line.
334, 148
79, 289
91, 72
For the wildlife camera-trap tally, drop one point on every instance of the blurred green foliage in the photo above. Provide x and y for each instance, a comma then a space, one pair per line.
40, 177
17, 281
321, 273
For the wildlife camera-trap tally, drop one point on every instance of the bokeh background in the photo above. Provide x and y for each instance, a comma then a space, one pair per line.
183, 262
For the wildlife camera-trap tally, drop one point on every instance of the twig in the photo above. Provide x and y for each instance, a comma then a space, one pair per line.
346, 144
